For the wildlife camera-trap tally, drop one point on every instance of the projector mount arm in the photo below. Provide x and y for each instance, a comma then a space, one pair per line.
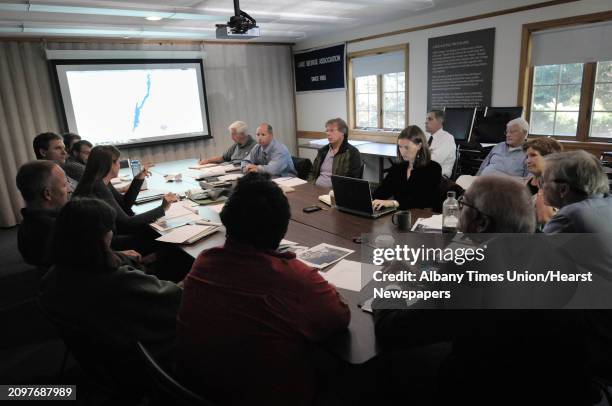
241, 22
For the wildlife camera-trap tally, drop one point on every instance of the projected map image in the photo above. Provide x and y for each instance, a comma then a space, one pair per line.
121, 106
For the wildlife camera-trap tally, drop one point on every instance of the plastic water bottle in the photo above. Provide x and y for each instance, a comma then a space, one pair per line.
450, 214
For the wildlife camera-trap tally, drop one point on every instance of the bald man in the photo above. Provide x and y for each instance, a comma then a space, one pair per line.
269, 155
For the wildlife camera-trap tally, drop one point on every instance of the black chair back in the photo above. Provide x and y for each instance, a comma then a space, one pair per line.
447, 185
170, 389
361, 169
112, 368
303, 166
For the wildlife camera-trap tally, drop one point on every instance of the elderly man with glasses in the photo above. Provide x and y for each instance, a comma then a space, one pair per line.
575, 183
496, 205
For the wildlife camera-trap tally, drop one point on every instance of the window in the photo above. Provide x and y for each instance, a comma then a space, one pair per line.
377, 90
566, 78
556, 99
570, 99
394, 114
601, 121
366, 95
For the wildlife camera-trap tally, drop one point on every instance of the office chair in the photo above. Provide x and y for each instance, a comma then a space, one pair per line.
606, 158
303, 166
603, 389
111, 369
170, 391
456, 166
361, 169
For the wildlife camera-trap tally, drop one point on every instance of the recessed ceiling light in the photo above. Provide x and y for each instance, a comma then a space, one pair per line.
153, 18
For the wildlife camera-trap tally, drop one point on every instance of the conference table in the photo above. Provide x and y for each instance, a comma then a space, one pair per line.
358, 344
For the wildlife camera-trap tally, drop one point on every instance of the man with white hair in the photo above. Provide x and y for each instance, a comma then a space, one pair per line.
508, 158
576, 184
243, 143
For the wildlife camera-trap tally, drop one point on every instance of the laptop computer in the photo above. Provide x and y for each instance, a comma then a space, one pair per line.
353, 196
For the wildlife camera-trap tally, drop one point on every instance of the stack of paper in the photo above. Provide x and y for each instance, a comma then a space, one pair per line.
207, 172
174, 222
202, 166
178, 209
428, 225
188, 234
289, 181
350, 275
233, 176
216, 207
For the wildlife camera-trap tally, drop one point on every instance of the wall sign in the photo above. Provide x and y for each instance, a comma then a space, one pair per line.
460, 70
321, 69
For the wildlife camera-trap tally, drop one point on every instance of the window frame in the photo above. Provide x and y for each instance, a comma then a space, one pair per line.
351, 100
527, 76
587, 88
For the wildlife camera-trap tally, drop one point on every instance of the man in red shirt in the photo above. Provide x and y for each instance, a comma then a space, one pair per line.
250, 314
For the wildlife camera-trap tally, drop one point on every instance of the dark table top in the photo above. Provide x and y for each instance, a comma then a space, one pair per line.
331, 226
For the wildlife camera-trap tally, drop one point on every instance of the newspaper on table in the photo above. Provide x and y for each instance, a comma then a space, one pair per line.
432, 224
323, 255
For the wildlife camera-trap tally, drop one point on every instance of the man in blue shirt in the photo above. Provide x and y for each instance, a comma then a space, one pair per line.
508, 158
269, 155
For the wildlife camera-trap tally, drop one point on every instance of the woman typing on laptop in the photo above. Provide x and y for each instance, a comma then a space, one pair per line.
414, 181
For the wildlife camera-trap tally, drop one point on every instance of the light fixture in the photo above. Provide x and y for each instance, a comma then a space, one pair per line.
153, 18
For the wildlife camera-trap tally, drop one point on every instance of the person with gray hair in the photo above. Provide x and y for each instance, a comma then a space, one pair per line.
525, 349
44, 188
496, 204
508, 158
575, 183
243, 143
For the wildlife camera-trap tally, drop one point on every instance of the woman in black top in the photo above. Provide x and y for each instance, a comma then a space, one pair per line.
414, 182
102, 166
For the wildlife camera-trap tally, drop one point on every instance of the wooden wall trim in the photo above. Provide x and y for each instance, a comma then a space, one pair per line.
569, 21
464, 20
377, 51
595, 148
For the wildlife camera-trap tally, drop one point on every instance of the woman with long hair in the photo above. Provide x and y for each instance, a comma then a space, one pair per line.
102, 166
414, 181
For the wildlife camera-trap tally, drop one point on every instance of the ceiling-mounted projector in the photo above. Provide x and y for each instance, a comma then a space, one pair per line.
240, 26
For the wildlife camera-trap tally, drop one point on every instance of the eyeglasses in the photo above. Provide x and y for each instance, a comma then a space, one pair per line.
461, 203
541, 181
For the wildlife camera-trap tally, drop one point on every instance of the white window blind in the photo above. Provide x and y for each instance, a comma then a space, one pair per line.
380, 64
579, 44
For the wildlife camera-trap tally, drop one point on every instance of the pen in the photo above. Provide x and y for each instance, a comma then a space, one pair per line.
206, 222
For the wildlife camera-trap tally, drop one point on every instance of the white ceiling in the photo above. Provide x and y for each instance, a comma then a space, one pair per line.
279, 20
